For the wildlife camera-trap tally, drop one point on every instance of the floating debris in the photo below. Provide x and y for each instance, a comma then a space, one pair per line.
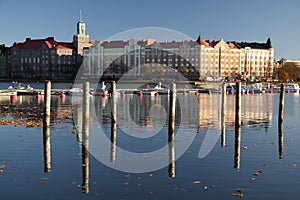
241, 195
239, 190
255, 174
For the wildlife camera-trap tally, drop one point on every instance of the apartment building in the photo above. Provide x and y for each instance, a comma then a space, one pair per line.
48, 58
194, 60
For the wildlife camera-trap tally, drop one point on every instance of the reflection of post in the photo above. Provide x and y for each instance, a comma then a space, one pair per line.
237, 144
223, 114
46, 127
280, 121
171, 168
171, 130
113, 134
280, 142
85, 137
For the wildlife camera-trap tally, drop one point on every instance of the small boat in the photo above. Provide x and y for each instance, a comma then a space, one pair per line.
231, 89
256, 88
75, 91
155, 91
204, 90
293, 88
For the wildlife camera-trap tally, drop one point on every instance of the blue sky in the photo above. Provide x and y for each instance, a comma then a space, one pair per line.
239, 20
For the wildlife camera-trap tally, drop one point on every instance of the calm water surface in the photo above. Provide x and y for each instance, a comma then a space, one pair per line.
262, 174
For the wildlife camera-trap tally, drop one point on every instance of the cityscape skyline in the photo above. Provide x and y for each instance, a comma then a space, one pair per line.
230, 20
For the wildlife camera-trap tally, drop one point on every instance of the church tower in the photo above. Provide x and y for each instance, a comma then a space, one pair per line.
81, 39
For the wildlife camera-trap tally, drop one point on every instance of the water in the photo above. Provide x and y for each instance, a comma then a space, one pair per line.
262, 174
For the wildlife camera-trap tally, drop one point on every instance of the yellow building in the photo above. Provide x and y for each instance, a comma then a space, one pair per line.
235, 59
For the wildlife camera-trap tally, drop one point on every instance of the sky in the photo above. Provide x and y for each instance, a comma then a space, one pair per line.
231, 20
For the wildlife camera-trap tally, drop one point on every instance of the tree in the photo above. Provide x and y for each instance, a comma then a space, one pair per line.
145, 70
289, 71
158, 69
184, 70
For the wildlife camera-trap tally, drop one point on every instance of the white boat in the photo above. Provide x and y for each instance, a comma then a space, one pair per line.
75, 91
293, 88
256, 88
156, 90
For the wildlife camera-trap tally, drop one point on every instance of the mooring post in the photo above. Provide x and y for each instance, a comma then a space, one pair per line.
113, 135
172, 112
281, 106
223, 114
47, 100
46, 127
171, 130
280, 121
237, 143
85, 136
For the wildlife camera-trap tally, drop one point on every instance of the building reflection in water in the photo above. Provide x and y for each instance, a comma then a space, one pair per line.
151, 111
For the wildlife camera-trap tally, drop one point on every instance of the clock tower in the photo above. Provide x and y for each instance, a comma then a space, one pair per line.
81, 39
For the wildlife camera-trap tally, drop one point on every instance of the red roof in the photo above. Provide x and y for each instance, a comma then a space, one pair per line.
38, 43
61, 47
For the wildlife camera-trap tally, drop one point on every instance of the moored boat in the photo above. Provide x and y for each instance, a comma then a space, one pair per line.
292, 88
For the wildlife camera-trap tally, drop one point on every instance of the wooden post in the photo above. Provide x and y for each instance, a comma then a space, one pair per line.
85, 137
237, 143
223, 114
46, 127
47, 100
281, 106
172, 112
171, 133
280, 121
113, 135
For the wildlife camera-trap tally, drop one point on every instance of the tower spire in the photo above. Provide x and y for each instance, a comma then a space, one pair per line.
80, 16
